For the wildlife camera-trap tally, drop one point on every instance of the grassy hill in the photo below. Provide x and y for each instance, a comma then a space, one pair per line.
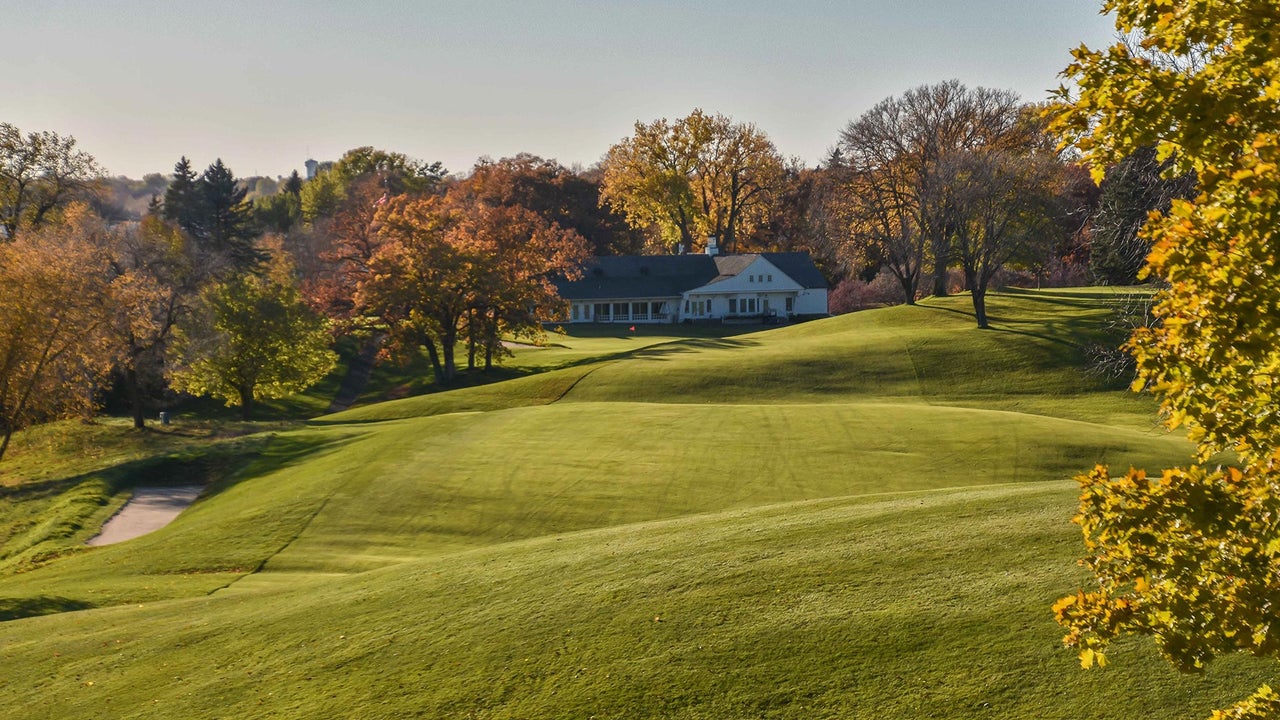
866, 516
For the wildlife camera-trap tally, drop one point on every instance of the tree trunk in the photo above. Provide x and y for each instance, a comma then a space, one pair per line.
471, 339
940, 276
908, 290
490, 340
436, 367
246, 403
134, 397
978, 291
4, 442
447, 346
686, 236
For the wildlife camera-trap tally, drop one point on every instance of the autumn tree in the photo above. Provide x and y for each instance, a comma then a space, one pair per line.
803, 219
891, 159
251, 338
878, 220
339, 237
1190, 556
350, 240
519, 254
557, 194
398, 172
419, 285
696, 176
40, 172
153, 283
53, 347
451, 265
998, 206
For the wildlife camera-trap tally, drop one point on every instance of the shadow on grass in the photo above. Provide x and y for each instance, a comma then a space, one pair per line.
225, 471
658, 352
621, 331
208, 465
477, 378
680, 347
1070, 332
36, 489
17, 608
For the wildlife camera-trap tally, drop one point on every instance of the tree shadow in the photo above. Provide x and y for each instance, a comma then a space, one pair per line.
17, 608
224, 472
694, 345
666, 350
1065, 332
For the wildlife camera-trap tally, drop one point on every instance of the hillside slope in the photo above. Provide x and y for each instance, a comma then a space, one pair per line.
862, 516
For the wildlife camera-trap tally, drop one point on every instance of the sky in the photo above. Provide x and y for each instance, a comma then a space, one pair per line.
266, 85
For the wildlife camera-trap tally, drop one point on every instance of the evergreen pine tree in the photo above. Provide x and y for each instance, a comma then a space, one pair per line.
183, 199
227, 231
293, 185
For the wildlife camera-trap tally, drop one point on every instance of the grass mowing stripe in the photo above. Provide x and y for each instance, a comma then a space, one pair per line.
930, 604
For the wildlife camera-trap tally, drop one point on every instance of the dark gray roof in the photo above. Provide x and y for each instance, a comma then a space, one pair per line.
639, 276
799, 267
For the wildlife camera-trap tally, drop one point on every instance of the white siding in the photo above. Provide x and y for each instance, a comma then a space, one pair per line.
761, 276
812, 302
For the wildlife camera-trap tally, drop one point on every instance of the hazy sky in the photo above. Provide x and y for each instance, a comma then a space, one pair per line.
265, 85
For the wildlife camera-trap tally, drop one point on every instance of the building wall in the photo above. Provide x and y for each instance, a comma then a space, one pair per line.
812, 301
739, 304
629, 310
761, 283
761, 276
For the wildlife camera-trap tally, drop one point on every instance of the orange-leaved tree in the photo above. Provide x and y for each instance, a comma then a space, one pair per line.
521, 253
54, 347
449, 265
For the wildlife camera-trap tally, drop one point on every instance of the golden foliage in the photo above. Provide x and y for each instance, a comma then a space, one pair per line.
1192, 557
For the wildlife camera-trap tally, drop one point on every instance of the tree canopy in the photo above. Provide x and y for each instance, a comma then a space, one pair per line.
251, 337
448, 265
557, 194
1131, 190
153, 283
1190, 556
52, 329
696, 176
40, 172
894, 164
212, 209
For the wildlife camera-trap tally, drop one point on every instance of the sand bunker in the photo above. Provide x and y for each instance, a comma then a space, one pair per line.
150, 509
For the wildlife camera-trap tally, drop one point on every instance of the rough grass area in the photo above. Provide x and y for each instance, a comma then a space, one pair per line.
866, 516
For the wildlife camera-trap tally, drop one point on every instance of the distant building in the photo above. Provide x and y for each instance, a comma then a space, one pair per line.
315, 167
675, 288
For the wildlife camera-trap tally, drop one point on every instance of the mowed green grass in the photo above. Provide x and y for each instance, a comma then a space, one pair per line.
861, 517
928, 604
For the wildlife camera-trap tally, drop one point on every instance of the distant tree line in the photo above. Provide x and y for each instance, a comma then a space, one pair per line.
205, 283
209, 293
